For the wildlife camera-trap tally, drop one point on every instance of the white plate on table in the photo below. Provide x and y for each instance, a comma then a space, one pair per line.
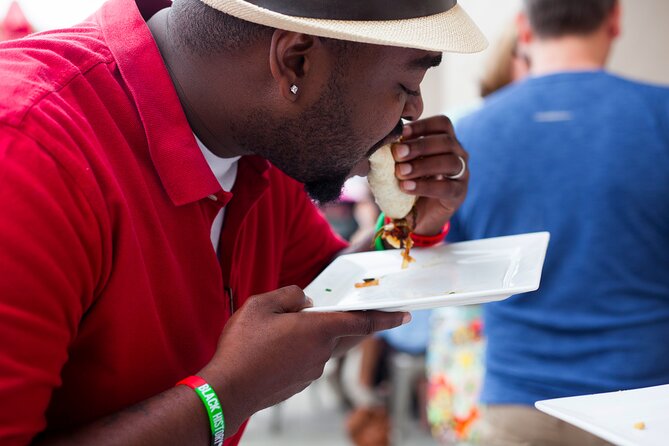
463, 273
612, 416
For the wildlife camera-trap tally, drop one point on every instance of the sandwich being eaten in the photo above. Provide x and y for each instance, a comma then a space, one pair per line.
394, 203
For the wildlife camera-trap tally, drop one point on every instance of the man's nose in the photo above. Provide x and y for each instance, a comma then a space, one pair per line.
413, 108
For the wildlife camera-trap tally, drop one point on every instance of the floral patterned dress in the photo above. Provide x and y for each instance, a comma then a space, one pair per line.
455, 367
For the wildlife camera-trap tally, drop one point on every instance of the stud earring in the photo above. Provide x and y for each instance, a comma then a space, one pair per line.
293, 89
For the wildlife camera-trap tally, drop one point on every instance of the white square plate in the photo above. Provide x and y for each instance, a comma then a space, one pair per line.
463, 273
612, 416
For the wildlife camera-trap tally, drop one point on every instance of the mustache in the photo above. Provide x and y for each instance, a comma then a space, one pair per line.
393, 136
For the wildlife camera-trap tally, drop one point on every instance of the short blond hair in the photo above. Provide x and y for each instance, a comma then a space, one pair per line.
498, 70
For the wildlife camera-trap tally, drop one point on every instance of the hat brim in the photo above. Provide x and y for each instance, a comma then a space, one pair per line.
451, 31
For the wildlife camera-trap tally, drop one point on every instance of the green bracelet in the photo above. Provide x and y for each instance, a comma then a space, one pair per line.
378, 241
212, 404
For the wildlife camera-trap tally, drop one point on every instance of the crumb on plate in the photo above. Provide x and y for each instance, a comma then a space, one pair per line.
367, 282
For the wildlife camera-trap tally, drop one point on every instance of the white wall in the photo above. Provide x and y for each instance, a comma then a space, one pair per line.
455, 83
642, 52
50, 14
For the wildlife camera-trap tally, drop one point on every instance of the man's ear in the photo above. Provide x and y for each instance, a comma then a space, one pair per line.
525, 33
290, 61
614, 21
525, 37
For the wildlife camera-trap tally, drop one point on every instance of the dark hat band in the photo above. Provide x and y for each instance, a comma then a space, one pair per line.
373, 10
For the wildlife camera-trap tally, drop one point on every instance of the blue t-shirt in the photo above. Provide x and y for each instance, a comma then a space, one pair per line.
410, 338
584, 155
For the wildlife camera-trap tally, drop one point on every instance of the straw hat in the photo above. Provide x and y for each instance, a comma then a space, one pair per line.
433, 25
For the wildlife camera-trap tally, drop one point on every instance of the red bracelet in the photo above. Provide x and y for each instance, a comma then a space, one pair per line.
425, 241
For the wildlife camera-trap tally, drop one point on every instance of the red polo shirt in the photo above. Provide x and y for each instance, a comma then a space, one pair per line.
110, 290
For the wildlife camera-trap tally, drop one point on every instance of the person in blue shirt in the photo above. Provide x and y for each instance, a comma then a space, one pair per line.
584, 154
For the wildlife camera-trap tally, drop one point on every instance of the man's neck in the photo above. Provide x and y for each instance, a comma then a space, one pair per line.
570, 53
184, 78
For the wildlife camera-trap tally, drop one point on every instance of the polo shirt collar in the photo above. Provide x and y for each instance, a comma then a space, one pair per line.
182, 168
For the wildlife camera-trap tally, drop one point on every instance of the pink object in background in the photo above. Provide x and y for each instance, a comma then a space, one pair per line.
15, 25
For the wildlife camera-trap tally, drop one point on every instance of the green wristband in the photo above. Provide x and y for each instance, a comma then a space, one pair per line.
378, 241
212, 404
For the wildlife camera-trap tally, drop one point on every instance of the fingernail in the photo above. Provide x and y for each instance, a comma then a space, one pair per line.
406, 319
405, 168
406, 131
309, 302
409, 185
401, 150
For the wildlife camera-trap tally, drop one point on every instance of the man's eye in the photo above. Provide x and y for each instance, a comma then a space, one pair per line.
409, 91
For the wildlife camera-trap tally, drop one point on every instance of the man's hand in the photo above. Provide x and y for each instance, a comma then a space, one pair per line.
269, 350
428, 154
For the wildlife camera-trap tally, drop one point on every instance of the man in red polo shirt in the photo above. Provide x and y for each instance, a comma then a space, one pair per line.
154, 220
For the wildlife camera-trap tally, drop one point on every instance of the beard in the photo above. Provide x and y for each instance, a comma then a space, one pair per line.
326, 189
318, 148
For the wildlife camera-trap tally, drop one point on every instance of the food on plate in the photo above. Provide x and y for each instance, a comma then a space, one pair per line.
367, 282
640, 425
394, 203
398, 235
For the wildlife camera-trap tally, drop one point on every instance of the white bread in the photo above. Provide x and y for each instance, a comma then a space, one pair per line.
385, 186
